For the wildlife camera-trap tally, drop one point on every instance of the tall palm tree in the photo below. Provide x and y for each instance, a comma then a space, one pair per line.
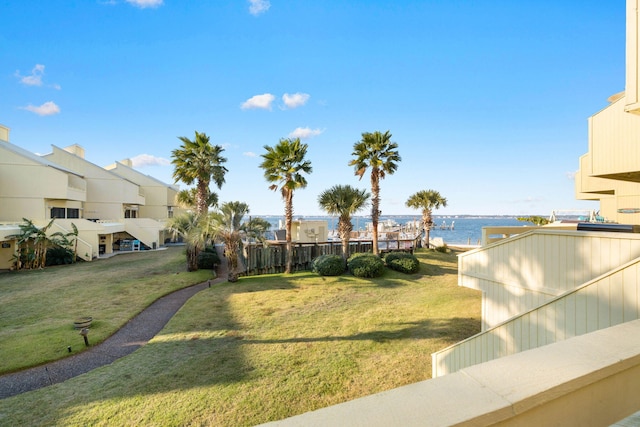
344, 201
284, 166
225, 225
190, 227
200, 162
427, 201
376, 151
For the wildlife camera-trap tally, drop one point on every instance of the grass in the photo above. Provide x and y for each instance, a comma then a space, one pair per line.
38, 307
269, 347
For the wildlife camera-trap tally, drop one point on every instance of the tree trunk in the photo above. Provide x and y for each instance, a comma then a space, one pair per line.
344, 230
192, 259
375, 207
288, 213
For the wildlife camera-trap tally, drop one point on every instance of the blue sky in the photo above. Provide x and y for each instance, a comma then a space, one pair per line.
488, 100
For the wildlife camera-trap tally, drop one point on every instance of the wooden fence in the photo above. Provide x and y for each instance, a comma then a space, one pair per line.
272, 258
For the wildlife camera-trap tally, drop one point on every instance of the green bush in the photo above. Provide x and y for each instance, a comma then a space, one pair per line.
444, 248
59, 256
403, 262
328, 265
208, 258
365, 265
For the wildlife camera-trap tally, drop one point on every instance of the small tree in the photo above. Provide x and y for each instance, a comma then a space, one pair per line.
226, 226
189, 226
344, 201
378, 152
284, 166
427, 201
31, 245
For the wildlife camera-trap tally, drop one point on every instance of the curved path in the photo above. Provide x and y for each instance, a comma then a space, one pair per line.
133, 335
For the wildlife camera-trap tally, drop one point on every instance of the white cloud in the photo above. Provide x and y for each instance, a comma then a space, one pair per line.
263, 101
295, 100
35, 78
249, 154
46, 109
143, 4
304, 133
256, 7
142, 160
571, 175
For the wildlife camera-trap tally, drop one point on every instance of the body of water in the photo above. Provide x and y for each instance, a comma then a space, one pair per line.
465, 229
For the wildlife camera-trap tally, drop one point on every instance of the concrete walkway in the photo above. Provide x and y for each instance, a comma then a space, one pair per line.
133, 335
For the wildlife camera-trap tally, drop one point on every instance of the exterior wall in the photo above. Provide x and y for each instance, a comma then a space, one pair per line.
107, 193
613, 140
27, 186
159, 197
632, 57
517, 274
309, 231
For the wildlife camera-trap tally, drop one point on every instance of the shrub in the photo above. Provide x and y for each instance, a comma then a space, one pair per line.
403, 262
328, 265
444, 248
208, 258
365, 265
59, 256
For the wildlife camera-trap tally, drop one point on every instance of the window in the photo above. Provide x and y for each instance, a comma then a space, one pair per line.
58, 212
130, 213
73, 213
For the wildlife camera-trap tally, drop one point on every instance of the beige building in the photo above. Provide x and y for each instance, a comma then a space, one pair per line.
114, 208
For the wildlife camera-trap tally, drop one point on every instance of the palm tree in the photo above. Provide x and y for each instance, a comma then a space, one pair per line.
200, 162
344, 201
190, 227
283, 167
256, 228
378, 152
427, 201
31, 244
225, 225
189, 198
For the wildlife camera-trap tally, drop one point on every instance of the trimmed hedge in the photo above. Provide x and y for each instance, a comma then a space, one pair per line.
403, 262
365, 265
328, 265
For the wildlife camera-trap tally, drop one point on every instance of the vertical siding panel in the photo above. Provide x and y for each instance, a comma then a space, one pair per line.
533, 330
517, 335
509, 334
542, 326
550, 323
525, 343
604, 301
595, 257
485, 347
560, 313
581, 312
592, 307
616, 298
630, 293
570, 316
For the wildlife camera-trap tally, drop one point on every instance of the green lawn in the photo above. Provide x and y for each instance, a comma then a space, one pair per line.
268, 347
38, 307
